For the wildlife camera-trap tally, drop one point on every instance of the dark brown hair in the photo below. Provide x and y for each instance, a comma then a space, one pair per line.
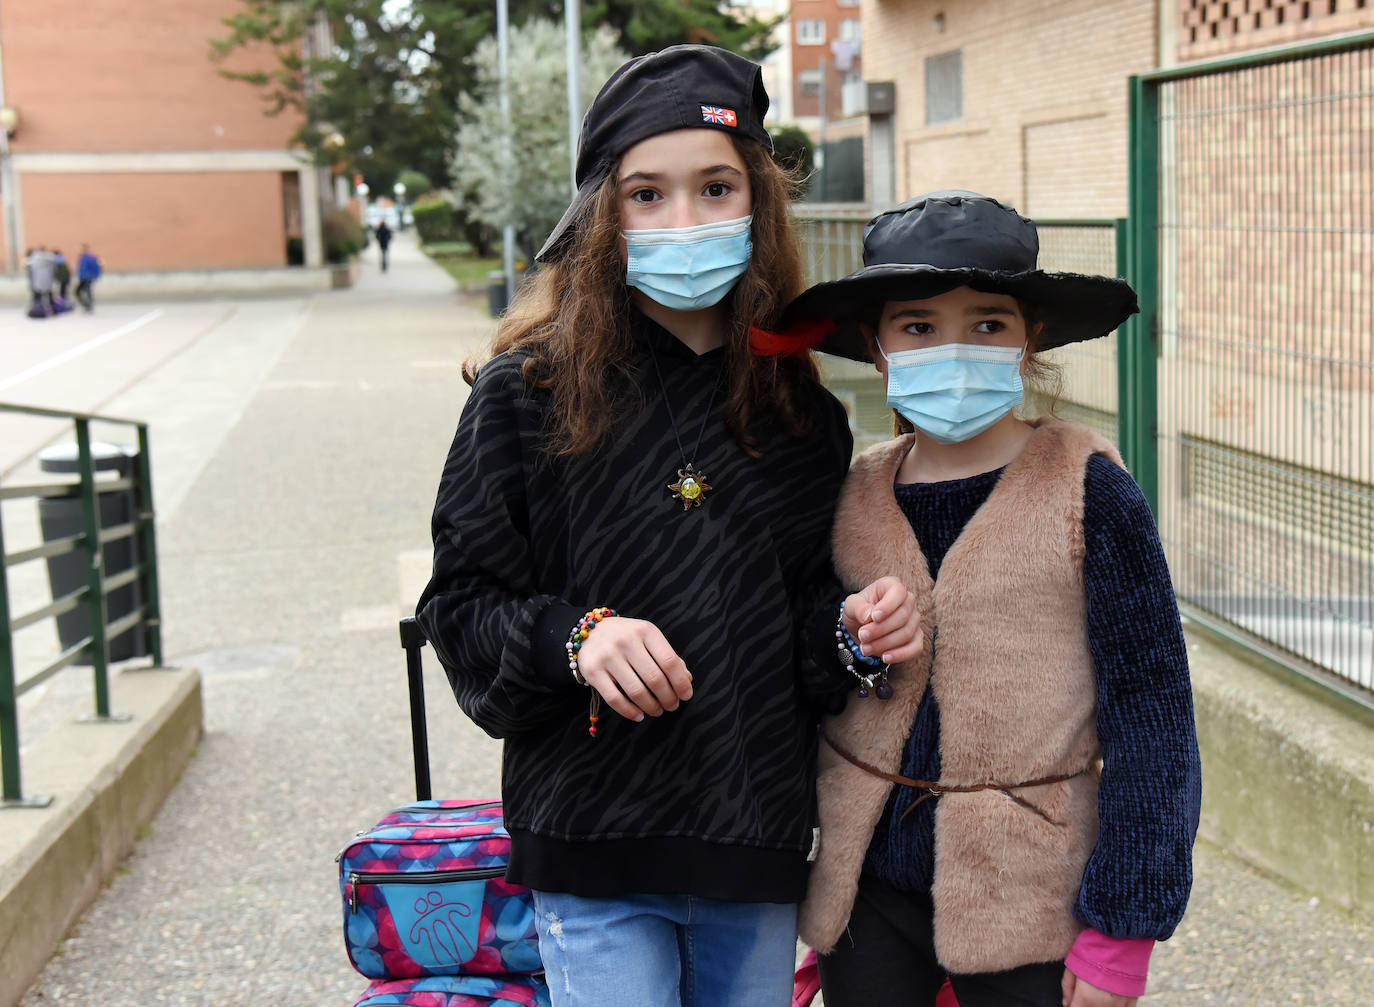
573, 320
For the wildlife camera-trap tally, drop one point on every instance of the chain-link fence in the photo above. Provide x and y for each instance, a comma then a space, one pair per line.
1265, 345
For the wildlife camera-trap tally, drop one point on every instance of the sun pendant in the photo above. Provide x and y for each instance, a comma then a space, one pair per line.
691, 487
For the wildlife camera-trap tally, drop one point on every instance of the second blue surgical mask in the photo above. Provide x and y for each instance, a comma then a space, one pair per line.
956, 391
687, 268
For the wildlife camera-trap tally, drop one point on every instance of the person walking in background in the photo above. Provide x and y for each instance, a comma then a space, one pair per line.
62, 274
41, 269
383, 240
87, 272
1020, 817
623, 447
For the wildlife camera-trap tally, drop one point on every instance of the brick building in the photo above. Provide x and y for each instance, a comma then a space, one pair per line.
826, 45
1027, 99
124, 135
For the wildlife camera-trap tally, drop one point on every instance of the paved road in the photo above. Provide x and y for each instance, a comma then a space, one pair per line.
77, 361
297, 447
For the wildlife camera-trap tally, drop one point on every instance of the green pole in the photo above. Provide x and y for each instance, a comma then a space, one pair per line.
1144, 337
9, 710
1125, 373
95, 598
147, 525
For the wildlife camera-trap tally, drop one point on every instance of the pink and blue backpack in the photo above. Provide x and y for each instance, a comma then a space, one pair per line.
427, 912
425, 894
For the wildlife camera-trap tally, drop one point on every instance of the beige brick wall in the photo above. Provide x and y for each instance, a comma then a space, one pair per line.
151, 221
1044, 96
129, 75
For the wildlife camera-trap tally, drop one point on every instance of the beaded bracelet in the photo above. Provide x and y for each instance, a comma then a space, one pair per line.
576, 638
875, 681
853, 645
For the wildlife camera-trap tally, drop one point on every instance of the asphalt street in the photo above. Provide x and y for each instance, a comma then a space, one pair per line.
297, 445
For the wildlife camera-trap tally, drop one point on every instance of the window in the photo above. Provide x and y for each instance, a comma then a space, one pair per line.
850, 30
809, 82
847, 3
945, 87
811, 31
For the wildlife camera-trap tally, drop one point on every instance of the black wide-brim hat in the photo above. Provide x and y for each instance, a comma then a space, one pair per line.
953, 238
681, 87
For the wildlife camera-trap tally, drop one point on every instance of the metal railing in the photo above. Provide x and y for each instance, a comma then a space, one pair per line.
1252, 211
91, 541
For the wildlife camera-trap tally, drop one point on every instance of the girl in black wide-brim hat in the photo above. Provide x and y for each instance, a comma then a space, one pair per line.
1018, 820
632, 581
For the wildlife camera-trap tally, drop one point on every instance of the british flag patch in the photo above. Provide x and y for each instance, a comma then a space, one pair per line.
714, 113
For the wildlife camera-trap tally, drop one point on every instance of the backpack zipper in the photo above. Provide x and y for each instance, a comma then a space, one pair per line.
437, 821
356, 878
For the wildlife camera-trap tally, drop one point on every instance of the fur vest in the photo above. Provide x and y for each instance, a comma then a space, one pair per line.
1014, 679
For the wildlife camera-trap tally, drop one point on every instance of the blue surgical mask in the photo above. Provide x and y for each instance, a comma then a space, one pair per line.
954, 392
686, 268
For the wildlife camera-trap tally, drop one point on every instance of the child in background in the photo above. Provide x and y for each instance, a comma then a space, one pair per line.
1019, 819
632, 580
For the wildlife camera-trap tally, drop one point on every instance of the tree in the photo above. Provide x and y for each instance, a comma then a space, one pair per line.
530, 189
397, 70
793, 149
376, 88
416, 184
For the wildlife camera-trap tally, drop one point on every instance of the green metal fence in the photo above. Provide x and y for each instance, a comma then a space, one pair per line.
92, 540
1252, 211
1242, 396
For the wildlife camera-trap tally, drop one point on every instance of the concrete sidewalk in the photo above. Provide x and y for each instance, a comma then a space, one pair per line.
297, 453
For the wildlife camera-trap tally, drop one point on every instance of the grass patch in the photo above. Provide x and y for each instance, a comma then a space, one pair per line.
467, 269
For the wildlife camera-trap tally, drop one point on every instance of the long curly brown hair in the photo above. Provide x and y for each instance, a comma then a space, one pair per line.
573, 320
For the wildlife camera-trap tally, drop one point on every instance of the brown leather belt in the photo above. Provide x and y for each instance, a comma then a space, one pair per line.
935, 788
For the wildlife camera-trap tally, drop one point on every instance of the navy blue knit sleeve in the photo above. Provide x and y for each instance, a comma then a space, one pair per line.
481, 610
1138, 877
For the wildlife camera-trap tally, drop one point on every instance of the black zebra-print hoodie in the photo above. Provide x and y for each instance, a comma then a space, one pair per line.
717, 798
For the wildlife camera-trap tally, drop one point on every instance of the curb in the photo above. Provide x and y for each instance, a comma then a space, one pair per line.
106, 781
1287, 776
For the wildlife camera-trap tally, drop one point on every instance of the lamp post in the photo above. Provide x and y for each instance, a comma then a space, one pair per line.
9, 118
572, 16
361, 190
503, 91
400, 190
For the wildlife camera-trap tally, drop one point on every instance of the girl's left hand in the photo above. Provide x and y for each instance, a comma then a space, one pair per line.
1081, 993
882, 617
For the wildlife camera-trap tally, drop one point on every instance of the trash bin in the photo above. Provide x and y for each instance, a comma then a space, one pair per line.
60, 518
496, 292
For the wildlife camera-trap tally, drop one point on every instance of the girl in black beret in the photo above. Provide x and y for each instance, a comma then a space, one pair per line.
632, 581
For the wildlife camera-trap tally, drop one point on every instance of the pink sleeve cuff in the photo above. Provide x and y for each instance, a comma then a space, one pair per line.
1115, 964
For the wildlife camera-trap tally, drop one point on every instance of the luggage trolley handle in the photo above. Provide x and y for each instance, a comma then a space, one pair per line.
412, 639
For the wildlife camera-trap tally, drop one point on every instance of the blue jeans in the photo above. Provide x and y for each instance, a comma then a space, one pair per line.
666, 951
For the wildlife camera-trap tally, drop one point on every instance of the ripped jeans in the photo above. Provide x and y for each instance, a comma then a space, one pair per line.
666, 951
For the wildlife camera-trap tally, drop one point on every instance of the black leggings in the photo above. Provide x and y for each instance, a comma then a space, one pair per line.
887, 956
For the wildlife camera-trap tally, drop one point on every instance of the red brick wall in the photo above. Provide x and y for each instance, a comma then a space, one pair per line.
129, 75
1273, 263
1208, 28
808, 57
4, 242
150, 221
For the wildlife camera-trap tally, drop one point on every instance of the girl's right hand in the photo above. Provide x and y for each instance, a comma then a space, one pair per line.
632, 666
